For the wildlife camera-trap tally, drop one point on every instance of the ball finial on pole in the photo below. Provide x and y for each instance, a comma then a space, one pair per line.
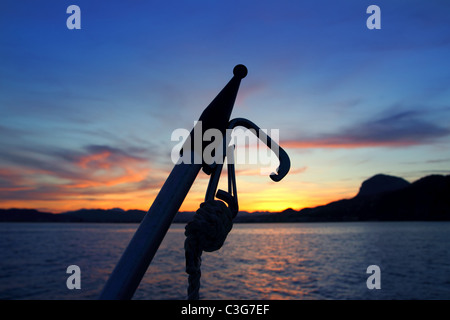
240, 71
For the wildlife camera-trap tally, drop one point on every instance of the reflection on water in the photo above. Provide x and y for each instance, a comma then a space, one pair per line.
258, 261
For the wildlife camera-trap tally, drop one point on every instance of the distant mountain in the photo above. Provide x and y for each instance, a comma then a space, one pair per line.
380, 198
101, 215
381, 183
28, 215
385, 198
83, 215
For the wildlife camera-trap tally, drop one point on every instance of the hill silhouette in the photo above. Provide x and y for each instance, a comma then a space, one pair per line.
392, 200
380, 198
381, 183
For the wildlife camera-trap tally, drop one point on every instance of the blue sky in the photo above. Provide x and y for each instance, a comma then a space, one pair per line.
87, 115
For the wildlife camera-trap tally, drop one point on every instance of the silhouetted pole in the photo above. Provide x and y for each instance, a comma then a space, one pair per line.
134, 262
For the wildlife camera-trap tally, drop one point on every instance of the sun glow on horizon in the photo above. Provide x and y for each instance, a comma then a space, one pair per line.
270, 199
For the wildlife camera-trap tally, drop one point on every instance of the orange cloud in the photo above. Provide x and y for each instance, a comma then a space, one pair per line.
99, 177
103, 168
99, 160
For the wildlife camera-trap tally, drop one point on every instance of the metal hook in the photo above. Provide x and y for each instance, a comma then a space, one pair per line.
283, 158
230, 197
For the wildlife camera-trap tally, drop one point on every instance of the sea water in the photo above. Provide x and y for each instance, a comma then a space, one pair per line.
294, 261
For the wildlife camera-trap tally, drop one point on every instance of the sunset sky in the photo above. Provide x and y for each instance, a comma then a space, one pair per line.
86, 116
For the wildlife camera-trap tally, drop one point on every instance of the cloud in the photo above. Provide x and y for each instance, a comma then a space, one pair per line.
399, 129
63, 174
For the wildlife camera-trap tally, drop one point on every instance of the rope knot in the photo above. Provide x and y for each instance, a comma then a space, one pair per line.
207, 231
210, 225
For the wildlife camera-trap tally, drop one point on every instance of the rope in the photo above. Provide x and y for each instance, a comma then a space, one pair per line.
206, 232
